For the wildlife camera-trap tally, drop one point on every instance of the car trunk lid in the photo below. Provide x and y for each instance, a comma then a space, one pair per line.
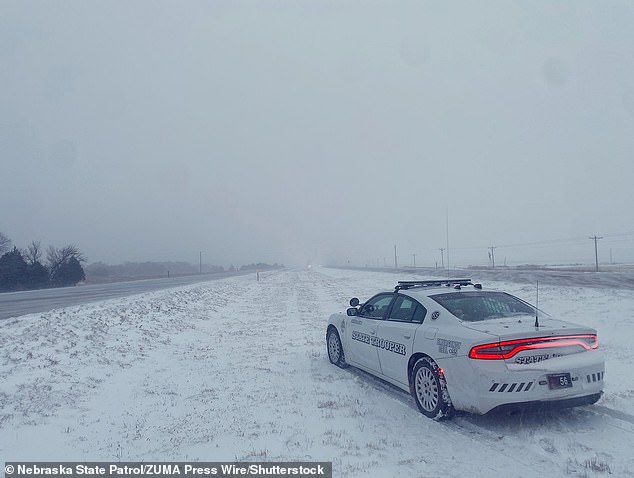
517, 340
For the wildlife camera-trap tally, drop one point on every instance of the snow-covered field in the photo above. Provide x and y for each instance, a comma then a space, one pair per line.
237, 370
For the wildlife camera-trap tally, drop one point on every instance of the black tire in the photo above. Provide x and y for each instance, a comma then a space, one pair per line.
429, 389
335, 349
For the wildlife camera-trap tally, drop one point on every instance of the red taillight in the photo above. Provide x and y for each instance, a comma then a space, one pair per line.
508, 348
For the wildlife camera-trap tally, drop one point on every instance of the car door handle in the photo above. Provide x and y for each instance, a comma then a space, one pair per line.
372, 332
407, 336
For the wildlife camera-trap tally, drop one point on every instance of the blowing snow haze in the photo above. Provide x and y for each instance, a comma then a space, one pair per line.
295, 131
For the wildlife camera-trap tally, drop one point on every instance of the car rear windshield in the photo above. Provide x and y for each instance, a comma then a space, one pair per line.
482, 305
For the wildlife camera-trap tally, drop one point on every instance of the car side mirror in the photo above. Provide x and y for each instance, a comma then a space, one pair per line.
352, 312
354, 302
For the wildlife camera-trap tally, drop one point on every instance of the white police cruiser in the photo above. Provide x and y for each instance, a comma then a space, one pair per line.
455, 346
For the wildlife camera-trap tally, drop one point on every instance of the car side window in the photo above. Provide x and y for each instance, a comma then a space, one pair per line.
420, 314
407, 310
376, 307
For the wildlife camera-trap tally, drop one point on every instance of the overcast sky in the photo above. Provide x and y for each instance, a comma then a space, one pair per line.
321, 131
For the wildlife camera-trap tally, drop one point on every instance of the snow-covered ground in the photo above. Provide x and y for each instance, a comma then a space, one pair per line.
237, 370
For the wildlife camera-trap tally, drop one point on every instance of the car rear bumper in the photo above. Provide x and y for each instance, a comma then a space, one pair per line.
548, 404
479, 386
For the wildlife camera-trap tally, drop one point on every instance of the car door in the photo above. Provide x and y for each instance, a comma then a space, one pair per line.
396, 337
361, 332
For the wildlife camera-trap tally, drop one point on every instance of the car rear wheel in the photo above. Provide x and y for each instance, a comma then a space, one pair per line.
335, 349
429, 389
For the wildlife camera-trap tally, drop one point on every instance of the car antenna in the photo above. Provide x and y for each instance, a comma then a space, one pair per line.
537, 307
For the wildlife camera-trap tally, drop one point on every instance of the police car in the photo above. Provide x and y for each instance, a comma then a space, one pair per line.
456, 346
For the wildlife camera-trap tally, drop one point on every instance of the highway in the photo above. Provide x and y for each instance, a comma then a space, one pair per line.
15, 304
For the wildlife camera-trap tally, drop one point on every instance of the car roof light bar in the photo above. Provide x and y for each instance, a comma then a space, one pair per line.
408, 284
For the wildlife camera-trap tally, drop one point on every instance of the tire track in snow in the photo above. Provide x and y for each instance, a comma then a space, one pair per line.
626, 417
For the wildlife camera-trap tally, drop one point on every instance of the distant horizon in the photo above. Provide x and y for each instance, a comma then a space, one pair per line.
578, 251
565, 252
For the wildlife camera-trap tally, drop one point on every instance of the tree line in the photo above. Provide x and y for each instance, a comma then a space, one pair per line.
25, 269
101, 272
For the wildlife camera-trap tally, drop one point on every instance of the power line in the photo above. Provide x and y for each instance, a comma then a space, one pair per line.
547, 242
525, 244
569, 240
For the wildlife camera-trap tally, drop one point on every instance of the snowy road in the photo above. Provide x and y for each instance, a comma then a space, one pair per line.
237, 370
14, 304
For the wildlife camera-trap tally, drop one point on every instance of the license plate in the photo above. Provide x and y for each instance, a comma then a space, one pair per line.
559, 380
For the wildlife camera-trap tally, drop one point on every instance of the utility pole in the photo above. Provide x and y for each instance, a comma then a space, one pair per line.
414, 260
447, 223
200, 262
442, 256
395, 261
596, 252
492, 257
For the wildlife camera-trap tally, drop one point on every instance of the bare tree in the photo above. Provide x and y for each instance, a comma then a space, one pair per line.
5, 244
33, 253
57, 257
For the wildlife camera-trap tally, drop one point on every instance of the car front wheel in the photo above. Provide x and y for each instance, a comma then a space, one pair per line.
429, 389
335, 349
